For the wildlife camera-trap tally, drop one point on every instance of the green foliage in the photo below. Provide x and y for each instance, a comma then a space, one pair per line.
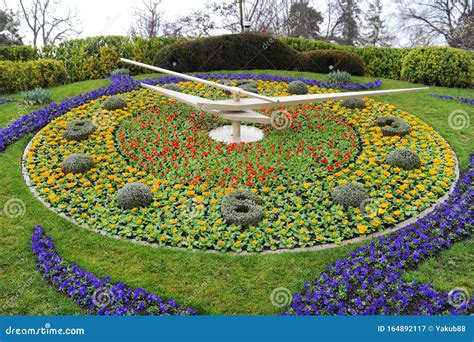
37, 96
303, 44
322, 61
353, 103
339, 77
390, 125
442, 66
97, 57
114, 102
18, 53
350, 194
79, 130
242, 207
404, 158
382, 61
134, 195
250, 86
173, 87
297, 88
229, 52
77, 163
121, 72
21, 76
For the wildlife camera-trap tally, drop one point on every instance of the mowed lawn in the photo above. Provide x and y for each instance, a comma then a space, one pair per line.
210, 283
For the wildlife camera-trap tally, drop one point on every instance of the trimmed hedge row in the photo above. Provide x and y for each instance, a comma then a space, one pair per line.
252, 51
18, 53
432, 65
20, 76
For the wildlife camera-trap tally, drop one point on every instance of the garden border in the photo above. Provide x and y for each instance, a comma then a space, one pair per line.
349, 242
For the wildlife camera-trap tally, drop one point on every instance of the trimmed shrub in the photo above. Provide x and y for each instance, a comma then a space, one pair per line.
353, 103
382, 61
134, 195
77, 163
21, 76
173, 87
242, 207
242, 82
339, 77
229, 52
321, 61
249, 87
18, 53
37, 96
350, 194
404, 158
297, 88
79, 130
390, 125
440, 66
114, 102
121, 72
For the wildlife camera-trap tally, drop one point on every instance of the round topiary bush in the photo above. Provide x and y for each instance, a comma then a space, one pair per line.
390, 126
440, 66
297, 88
249, 87
173, 87
79, 130
134, 195
353, 103
242, 208
77, 163
350, 194
114, 102
404, 158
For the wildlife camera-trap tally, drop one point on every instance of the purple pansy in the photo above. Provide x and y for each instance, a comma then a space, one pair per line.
369, 281
96, 295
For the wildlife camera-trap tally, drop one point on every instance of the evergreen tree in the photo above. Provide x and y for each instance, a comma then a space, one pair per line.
9, 34
349, 22
303, 21
376, 34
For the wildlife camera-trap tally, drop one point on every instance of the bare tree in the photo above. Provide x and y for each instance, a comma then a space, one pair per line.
46, 22
263, 15
198, 23
434, 19
148, 20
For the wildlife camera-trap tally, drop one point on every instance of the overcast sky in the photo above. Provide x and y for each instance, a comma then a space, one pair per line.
114, 17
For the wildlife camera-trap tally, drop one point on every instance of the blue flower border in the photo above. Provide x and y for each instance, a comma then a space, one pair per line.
369, 281
457, 98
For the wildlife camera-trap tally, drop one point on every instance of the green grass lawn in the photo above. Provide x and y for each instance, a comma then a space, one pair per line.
210, 283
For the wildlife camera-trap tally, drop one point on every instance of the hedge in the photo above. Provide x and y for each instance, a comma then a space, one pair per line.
428, 65
18, 53
440, 66
228, 52
323, 61
20, 76
97, 57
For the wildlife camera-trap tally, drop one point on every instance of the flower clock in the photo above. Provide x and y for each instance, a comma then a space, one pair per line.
294, 171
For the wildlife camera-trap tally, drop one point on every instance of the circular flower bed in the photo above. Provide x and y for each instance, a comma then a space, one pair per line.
293, 171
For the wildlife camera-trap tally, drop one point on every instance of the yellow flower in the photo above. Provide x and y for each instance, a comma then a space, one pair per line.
362, 229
